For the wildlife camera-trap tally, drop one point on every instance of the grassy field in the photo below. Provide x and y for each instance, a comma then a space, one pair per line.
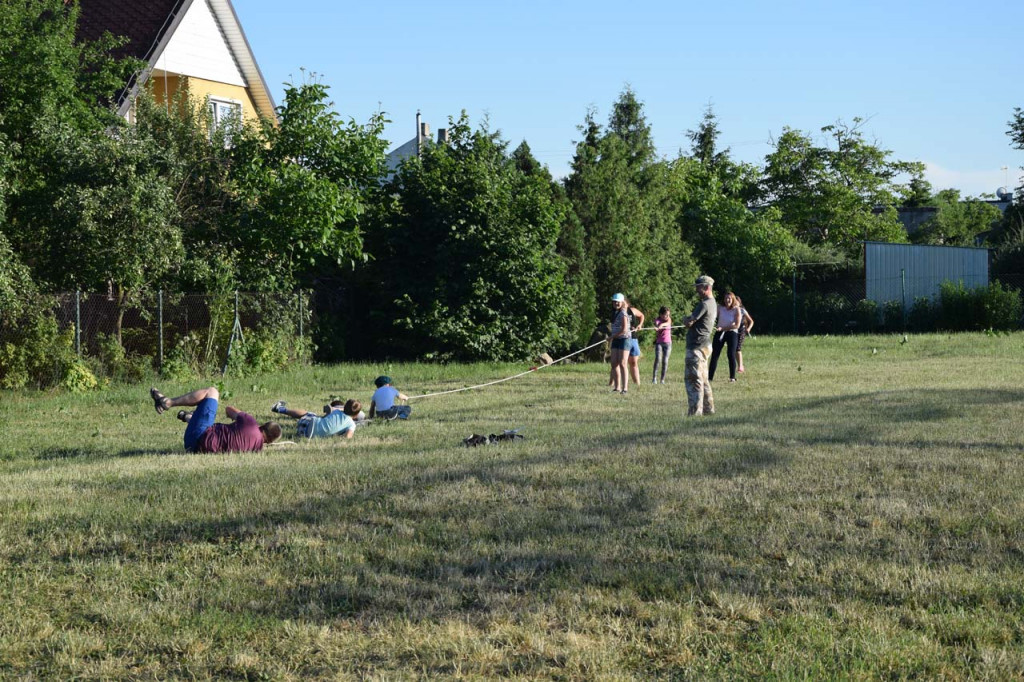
854, 510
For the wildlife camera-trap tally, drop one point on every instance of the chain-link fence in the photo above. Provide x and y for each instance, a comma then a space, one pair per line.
198, 332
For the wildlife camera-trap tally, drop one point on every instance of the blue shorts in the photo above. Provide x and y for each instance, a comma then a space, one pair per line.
634, 348
620, 344
203, 418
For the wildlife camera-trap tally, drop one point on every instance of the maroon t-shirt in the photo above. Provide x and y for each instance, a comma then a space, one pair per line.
242, 435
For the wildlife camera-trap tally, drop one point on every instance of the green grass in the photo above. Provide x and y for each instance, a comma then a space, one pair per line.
854, 510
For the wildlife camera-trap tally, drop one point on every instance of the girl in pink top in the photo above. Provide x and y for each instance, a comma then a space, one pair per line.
662, 343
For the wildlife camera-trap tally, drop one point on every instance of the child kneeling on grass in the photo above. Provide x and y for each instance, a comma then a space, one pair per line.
338, 420
383, 402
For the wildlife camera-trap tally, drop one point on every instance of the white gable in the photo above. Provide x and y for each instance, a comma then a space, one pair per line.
198, 48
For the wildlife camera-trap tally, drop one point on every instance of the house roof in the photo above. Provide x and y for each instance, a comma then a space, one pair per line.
149, 25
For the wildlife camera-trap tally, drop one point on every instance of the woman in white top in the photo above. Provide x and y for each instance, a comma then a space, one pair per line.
726, 336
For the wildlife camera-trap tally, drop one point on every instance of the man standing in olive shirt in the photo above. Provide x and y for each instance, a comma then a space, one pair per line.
701, 323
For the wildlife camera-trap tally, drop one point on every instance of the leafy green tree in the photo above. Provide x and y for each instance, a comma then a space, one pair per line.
571, 246
919, 192
704, 141
628, 206
48, 79
957, 222
106, 219
195, 165
841, 192
466, 263
299, 190
745, 251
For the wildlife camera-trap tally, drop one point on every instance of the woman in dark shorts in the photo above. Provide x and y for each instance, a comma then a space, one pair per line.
621, 344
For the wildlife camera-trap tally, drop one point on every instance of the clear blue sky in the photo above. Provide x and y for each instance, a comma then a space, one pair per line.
937, 81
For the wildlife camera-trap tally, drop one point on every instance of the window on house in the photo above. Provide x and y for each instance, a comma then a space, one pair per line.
225, 115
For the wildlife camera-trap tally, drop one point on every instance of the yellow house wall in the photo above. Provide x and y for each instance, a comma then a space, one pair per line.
199, 90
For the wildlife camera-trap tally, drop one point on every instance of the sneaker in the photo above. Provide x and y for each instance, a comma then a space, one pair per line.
279, 407
654, 382
731, 380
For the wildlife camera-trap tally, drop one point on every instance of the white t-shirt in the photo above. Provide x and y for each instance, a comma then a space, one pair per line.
727, 317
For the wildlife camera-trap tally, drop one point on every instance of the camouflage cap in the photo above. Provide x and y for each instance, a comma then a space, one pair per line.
704, 281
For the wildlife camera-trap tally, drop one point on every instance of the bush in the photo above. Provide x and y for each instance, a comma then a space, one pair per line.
78, 378
36, 352
992, 307
1002, 307
268, 350
117, 364
826, 314
892, 316
865, 314
183, 362
923, 315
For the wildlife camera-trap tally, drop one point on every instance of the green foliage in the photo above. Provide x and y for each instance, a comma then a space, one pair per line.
185, 360
78, 378
580, 288
117, 364
467, 265
105, 216
749, 253
992, 307
839, 193
918, 192
923, 315
264, 351
629, 204
35, 353
892, 316
300, 189
957, 222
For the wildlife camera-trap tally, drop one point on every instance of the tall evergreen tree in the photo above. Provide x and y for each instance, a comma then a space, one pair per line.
623, 198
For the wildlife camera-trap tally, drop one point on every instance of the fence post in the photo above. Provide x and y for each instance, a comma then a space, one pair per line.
300, 313
796, 329
78, 322
903, 295
160, 325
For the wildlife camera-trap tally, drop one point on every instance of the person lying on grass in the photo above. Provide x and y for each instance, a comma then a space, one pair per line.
203, 434
339, 419
382, 405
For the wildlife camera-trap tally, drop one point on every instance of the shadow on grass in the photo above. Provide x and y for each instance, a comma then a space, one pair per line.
85, 452
406, 542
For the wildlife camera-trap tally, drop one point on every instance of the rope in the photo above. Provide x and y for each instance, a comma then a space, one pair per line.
529, 371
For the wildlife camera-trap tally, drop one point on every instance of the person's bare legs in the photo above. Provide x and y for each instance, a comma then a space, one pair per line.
192, 399
634, 368
621, 370
297, 414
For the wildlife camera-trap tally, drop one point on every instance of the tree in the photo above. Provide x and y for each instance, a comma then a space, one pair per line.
571, 246
628, 207
106, 219
50, 79
466, 263
919, 192
704, 141
299, 190
751, 253
841, 192
957, 222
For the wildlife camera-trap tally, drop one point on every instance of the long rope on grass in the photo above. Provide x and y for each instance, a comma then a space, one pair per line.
529, 371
